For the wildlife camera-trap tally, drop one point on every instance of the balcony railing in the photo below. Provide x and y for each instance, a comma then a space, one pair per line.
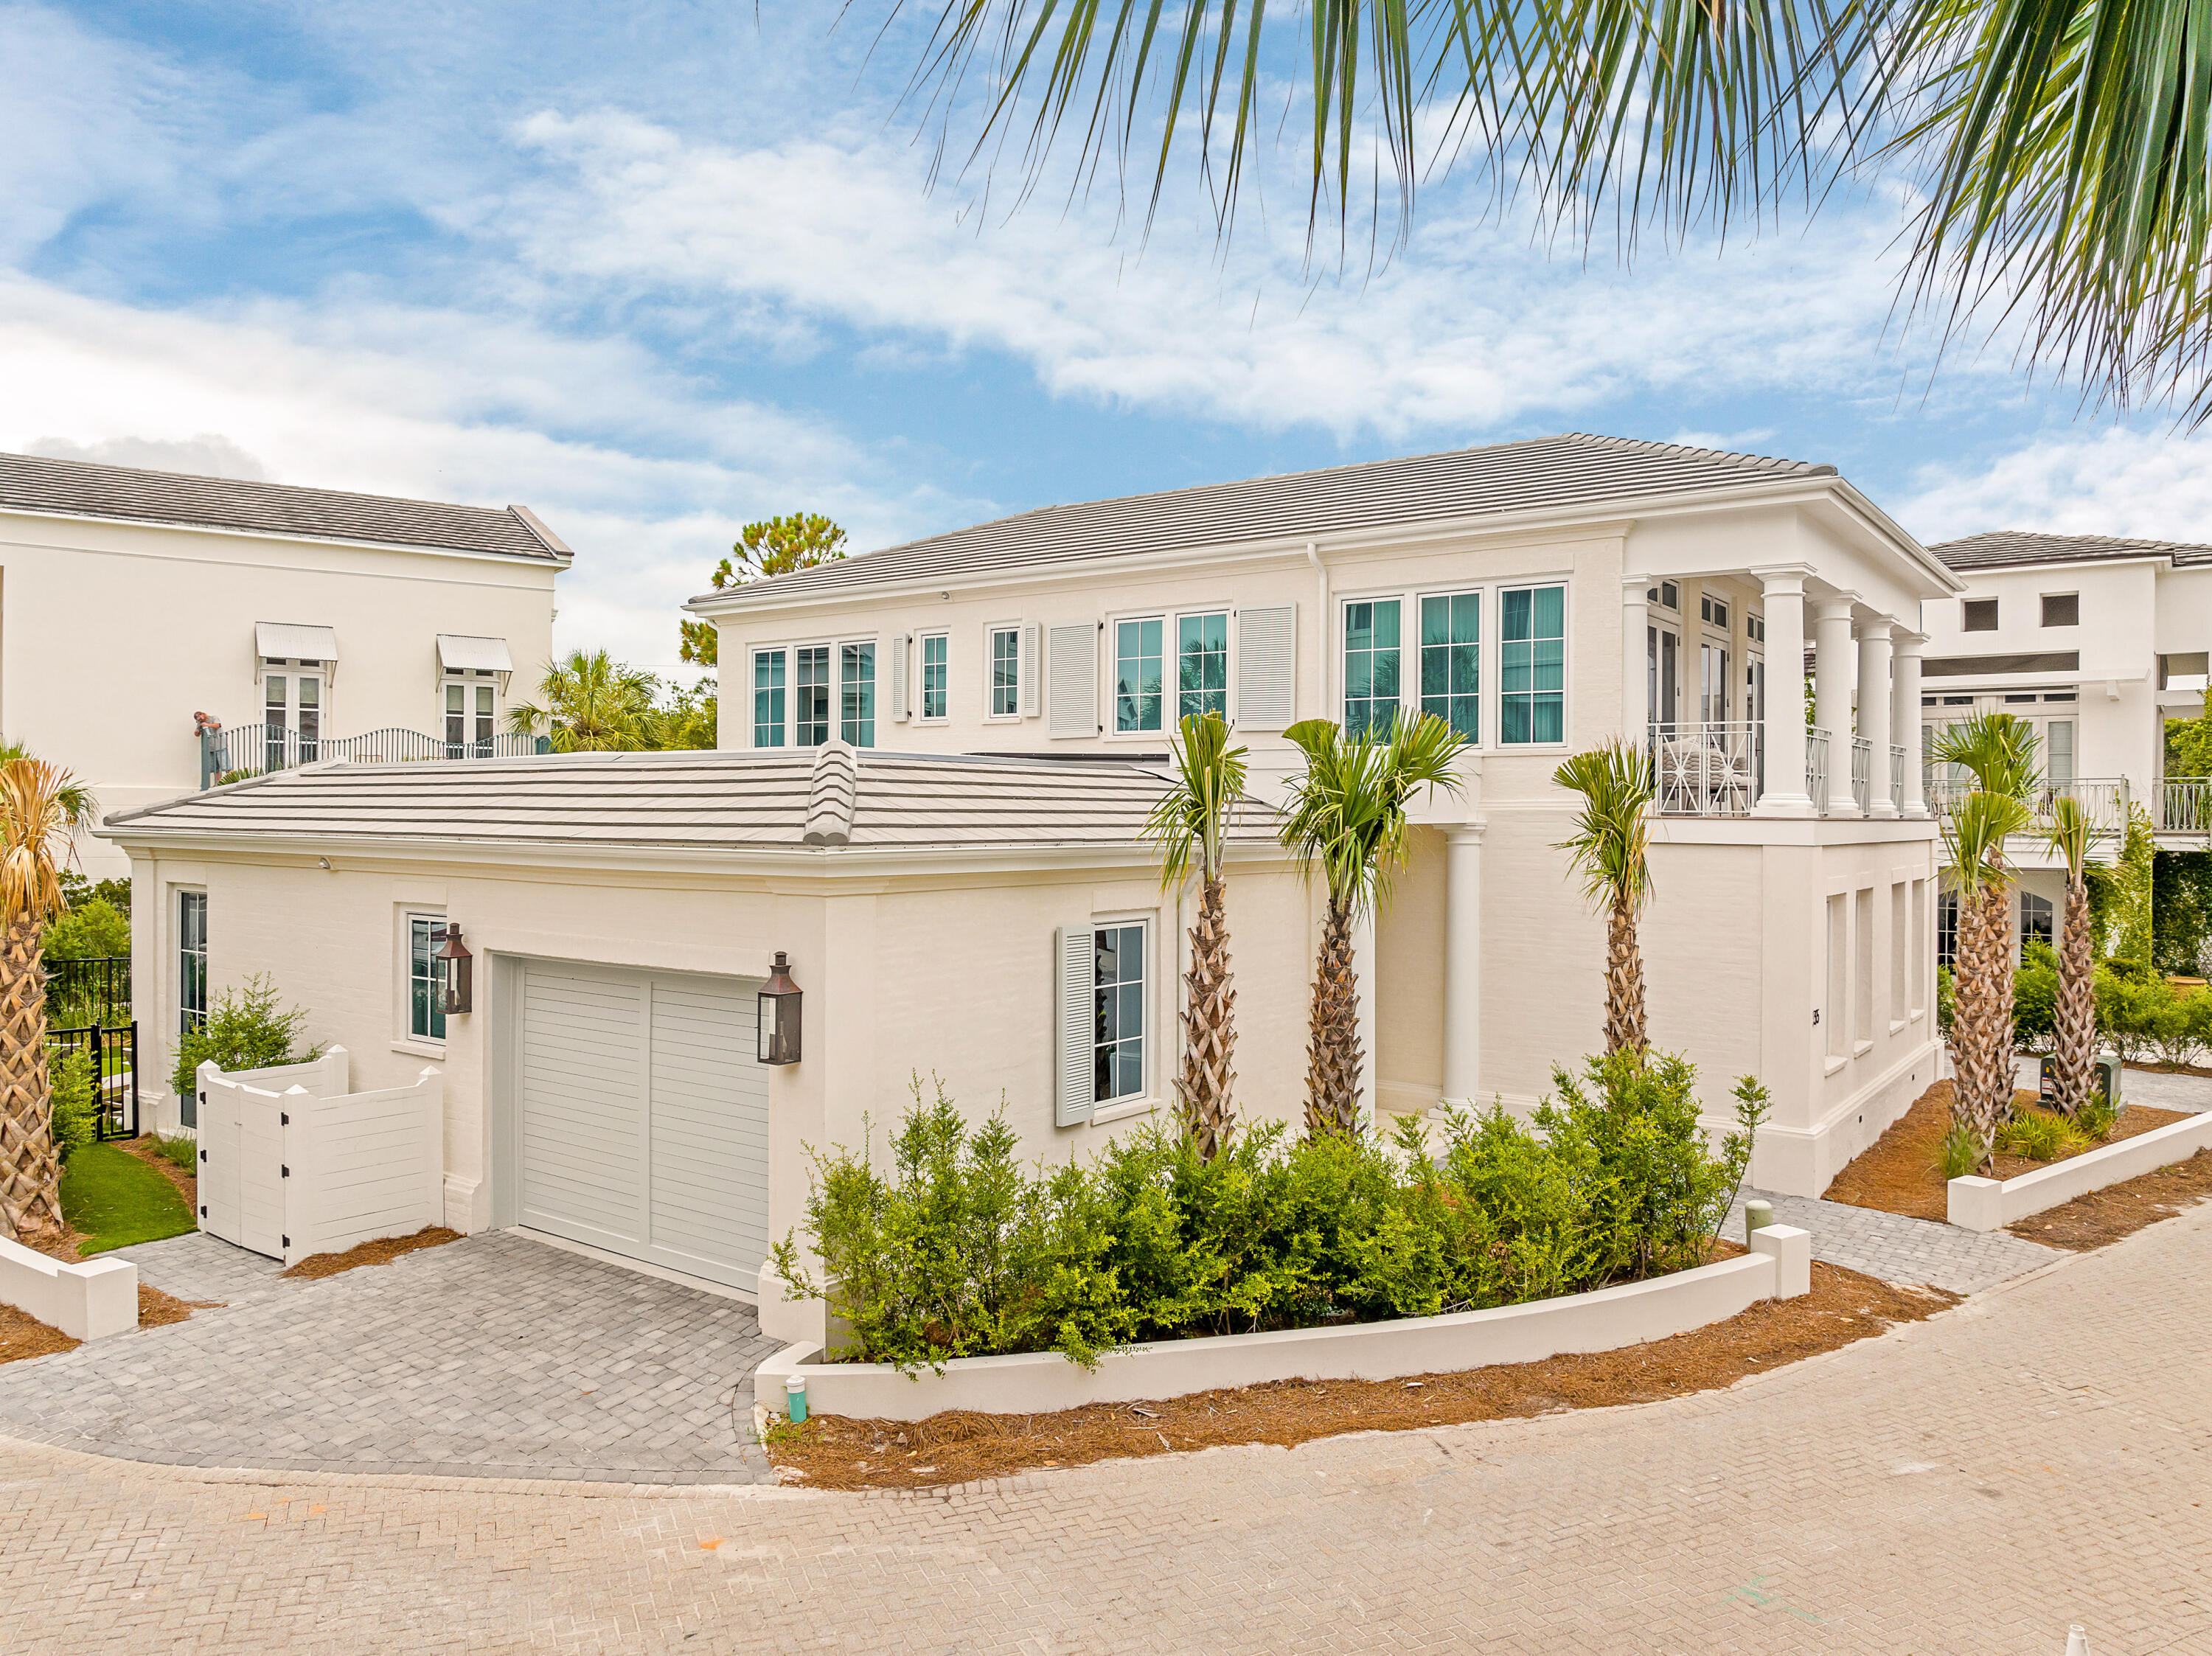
1816, 768
2184, 805
237, 751
1703, 768
2105, 797
1862, 774
1896, 777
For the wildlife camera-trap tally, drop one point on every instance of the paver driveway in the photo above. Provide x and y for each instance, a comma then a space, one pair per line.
1962, 1487
494, 1354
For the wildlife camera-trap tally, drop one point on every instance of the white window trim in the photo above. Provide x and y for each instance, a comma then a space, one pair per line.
920, 648
1109, 661
1566, 586
1491, 652
990, 631
1148, 1098
404, 1040
481, 678
789, 650
174, 917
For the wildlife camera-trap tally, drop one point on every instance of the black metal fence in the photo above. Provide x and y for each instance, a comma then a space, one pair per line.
113, 1052
96, 990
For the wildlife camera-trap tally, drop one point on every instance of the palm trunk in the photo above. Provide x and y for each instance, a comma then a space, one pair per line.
30, 1197
1333, 1054
1624, 982
1988, 1094
2076, 1045
1971, 1059
1209, 1027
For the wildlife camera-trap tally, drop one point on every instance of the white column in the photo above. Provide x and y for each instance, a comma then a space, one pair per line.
1782, 589
1463, 962
1873, 711
1833, 664
1905, 716
1635, 696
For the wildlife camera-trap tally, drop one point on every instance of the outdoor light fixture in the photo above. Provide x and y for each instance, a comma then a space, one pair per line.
457, 969
778, 1015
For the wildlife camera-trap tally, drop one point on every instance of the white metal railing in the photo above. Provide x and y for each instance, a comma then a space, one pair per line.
1862, 774
1896, 777
1816, 768
2105, 797
2184, 804
1707, 768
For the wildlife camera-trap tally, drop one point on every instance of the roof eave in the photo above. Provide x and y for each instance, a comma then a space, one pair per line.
428, 548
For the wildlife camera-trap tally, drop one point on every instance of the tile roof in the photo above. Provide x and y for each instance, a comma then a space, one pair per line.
76, 488
690, 801
2004, 549
1572, 469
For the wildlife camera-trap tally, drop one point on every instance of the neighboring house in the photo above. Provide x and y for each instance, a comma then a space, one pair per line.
2096, 641
996, 921
305, 622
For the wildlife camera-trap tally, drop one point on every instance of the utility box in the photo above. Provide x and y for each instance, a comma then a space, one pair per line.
2104, 1075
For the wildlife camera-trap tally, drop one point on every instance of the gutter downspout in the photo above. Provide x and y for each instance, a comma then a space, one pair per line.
1320, 634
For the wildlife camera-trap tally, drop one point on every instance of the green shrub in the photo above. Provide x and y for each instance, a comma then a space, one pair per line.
2035, 999
178, 1152
87, 930
1947, 1000
75, 1119
1961, 1153
2129, 1010
2097, 1119
244, 1031
2038, 1136
957, 1250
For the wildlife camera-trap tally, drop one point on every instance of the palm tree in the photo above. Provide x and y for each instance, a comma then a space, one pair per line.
1191, 824
1347, 812
1998, 751
2070, 830
40, 808
1610, 848
2058, 146
592, 704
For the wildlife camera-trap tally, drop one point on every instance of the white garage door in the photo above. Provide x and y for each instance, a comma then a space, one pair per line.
643, 1117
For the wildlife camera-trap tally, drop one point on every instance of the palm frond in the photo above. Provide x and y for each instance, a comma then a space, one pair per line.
1190, 821
1345, 812
1995, 749
1974, 835
36, 824
1610, 847
2070, 829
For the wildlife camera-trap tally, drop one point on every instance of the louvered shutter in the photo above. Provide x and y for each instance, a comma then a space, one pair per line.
1267, 667
1074, 693
1073, 1086
898, 678
1032, 636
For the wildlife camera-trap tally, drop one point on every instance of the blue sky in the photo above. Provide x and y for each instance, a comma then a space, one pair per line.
655, 270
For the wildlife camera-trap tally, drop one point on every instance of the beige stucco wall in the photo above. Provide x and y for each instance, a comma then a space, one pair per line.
113, 635
945, 976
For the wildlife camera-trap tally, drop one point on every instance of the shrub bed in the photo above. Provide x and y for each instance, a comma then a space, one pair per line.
960, 1251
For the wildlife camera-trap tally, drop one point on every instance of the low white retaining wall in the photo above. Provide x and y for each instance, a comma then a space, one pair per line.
1992, 1204
85, 1301
1779, 1267
291, 1164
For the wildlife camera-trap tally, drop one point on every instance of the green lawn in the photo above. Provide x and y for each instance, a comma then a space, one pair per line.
115, 1199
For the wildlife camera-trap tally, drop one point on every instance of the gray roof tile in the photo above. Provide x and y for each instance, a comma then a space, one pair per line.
2009, 548
75, 488
1572, 469
692, 800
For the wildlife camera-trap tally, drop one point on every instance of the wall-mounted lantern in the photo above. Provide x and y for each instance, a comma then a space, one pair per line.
778, 1015
457, 960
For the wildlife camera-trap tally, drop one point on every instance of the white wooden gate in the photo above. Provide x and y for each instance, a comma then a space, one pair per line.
292, 1164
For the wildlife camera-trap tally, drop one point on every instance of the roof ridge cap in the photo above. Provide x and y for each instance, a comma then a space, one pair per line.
832, 792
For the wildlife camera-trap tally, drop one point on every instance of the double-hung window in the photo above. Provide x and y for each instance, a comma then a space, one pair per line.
936, 670
811, 697
1117, 994
192, 960
1532, 665
1202, 664
856, 679
1371, 666
1137, 674
770, 689
426, 978
1451, 661
1005, 672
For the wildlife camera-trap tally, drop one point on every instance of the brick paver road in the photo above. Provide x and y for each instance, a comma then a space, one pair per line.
1965, 1487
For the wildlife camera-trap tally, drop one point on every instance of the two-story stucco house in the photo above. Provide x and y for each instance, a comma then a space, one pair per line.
138, 608
2097, 642
936, 760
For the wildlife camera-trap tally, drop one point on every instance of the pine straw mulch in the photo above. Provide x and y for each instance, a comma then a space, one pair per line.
381, 1251
2105, 1215
22, 1335
830, 1452
1899, 1172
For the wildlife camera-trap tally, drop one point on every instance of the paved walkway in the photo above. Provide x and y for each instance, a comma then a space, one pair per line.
494, 1354
1962, 1487
1917, 1253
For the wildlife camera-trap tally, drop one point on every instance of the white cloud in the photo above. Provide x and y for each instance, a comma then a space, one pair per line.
2151, 483
207, 454
646, 477
1473, 328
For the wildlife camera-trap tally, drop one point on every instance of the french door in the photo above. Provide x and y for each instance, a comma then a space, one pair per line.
291, 718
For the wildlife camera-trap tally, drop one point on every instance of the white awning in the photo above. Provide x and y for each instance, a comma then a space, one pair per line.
284, 640
459, 654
